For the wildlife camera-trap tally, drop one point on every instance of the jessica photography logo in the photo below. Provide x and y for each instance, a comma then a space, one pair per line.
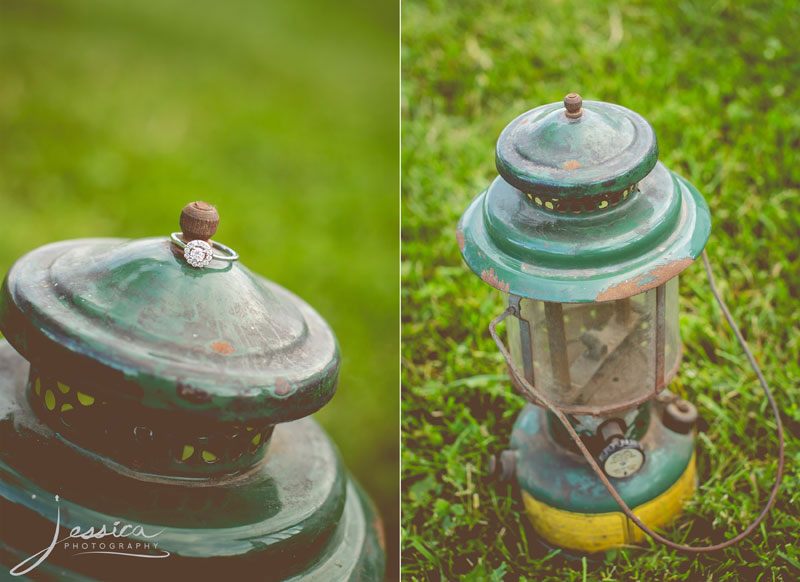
95, 541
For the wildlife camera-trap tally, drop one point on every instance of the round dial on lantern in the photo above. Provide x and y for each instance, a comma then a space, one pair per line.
624, 463
622, 458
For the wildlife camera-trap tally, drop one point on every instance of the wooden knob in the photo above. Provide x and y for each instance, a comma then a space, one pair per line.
199, 220
573, 103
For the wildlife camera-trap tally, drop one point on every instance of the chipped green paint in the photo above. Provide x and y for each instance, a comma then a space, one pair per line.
297, 516
562, 479
608, 148
131, 320
649, 234
153, 393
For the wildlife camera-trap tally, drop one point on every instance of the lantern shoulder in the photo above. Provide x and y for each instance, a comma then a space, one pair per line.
131, 318
521, 249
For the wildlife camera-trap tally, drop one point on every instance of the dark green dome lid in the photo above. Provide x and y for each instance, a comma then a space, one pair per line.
613, 224
599, 148
131, 319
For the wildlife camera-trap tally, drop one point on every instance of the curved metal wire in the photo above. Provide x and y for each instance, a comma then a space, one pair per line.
532, 392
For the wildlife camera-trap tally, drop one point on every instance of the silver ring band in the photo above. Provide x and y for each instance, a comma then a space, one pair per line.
198, 253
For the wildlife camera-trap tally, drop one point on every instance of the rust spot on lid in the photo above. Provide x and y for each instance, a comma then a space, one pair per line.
460, 239
490, 277
571, 165
645, 281
222, 348
282, 386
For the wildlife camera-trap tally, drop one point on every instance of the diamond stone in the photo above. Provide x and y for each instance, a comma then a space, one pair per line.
198, 253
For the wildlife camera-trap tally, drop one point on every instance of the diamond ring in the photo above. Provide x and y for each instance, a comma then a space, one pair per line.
198, 253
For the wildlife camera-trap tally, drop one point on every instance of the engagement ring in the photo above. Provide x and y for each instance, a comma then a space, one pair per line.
198, 253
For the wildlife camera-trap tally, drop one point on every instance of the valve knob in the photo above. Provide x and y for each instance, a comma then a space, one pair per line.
680, 416
502, 469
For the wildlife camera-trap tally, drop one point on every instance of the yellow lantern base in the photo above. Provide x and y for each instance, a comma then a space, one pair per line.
596, 532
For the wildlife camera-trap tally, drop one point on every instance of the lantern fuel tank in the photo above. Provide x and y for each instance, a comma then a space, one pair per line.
157, 389
585, 233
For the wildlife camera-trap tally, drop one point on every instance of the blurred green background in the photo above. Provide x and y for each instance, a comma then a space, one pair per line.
720, 83
113, 115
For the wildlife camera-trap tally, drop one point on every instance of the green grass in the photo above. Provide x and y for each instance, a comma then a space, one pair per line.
113, 115
719, 83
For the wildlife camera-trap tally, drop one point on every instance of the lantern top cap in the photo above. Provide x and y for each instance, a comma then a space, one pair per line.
572, 103
199, 221
576, 150
131, 319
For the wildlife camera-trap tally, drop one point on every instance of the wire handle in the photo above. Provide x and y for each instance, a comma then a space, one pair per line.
536, 395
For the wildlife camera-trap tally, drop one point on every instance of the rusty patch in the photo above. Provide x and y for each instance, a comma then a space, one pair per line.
378, 525
192, 394
491, 278
646, 281
222, 348
282, 386
460, 239
571, 165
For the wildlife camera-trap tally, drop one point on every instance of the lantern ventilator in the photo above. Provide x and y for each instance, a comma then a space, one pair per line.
586, 232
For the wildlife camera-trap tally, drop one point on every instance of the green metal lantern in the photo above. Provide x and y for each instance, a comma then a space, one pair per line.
586, 233
160, 384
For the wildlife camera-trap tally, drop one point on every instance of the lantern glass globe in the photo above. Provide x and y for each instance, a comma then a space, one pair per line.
598, 355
